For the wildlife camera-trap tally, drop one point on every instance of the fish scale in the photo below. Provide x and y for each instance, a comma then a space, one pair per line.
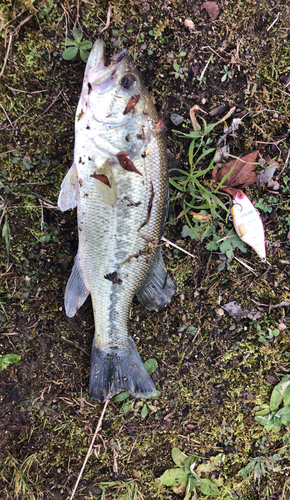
116, 258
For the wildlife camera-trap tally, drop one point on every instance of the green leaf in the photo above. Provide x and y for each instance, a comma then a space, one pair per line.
144, 411
189, 461
70, 42
265, 420
264, 410
8, 359
191, 484
178, 457
208, 487
86, 45
176, 67
77, 35
70, 53
122, 396
84, 55
150, 365
276, 397
286, 396
173, 477
193, 232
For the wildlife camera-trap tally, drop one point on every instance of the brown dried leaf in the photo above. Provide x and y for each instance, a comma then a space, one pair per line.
102, 178
132, 102
160, 124
199, 216
211, 8
126, 163
243, 172
229, 190
271, 380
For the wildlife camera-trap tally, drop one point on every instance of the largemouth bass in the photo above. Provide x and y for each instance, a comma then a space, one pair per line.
119, 183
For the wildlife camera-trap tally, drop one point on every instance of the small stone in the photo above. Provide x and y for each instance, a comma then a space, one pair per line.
188, 23
220, 312
275, 115
203, 101
273, 185
282, 327
182, 296
176, 119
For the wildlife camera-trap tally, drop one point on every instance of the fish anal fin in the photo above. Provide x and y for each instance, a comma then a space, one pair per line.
107, 191
159, 288
75, 292
115, 370
69, 190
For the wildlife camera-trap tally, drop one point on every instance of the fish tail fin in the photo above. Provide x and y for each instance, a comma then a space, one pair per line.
115, 370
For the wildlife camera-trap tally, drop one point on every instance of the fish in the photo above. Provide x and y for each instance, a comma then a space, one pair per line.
119, 183
248, 223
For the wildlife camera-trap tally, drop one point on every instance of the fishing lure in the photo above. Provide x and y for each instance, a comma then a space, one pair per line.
248, 224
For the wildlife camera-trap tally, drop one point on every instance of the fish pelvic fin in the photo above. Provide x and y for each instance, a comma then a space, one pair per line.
75, 292
121, 369
159, 288
68, 195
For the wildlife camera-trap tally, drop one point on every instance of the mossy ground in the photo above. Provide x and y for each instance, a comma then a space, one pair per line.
212, 375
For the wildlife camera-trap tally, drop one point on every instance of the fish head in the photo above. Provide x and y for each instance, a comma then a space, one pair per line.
112, 93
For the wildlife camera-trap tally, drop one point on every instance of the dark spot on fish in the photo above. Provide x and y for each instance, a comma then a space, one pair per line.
80, 182
85, 195
80, 160
144, 154
132, 203
137, 255
145, 112
89, 87
81, 113
102, 178
128, 137
113, 277
109, 115
149, 207
89, 158
126, 163
132, 102
141, 137
88, 127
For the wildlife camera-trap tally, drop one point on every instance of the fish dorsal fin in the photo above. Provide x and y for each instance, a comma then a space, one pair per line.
68, 195
159, 288
105, 184
75, 292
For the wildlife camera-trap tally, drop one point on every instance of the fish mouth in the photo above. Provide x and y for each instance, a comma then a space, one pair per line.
97, 73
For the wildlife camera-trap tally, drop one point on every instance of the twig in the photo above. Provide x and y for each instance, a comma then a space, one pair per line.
246, 265
67, 342
15, 32
52, 103
90, 448
108, 19
175, 246
7, 55
25, 91
275, 20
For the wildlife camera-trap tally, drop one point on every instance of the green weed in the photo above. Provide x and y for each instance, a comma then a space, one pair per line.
8, 359
187, 476
269, 415
75, 46
260, 466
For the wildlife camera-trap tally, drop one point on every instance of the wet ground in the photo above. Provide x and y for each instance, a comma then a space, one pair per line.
214, 372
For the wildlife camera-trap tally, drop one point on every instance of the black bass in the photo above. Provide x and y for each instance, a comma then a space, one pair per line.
119, 183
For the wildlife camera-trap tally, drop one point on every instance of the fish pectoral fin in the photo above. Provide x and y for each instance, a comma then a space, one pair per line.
159, 288
75, 292
105, 184
69, 190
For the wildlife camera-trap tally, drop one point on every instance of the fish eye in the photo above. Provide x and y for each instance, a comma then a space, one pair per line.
127, 81
240, 195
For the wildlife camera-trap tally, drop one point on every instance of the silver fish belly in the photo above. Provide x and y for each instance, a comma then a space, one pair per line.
119, 183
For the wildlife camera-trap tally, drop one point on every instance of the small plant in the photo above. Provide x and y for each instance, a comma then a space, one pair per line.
180, 72
187, 476
6, 236
260, 466
8, 359
227, 73
77, 45
135, 407
266, 336
269, 415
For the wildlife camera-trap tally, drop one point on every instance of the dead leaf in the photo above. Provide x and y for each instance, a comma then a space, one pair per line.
220, 109
229, 190
200, 216
271, 380
235, 311
242, 174
126, 163
132, 102
195, 124
160, 124
211, 8
102, 178
266, 175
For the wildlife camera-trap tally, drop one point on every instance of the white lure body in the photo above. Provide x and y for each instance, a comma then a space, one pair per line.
248, 224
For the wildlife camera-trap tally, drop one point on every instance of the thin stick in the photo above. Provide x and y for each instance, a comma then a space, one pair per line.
108, 19
246, 265
7, 55
275, 20
90, 449
175, 246
25, 91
